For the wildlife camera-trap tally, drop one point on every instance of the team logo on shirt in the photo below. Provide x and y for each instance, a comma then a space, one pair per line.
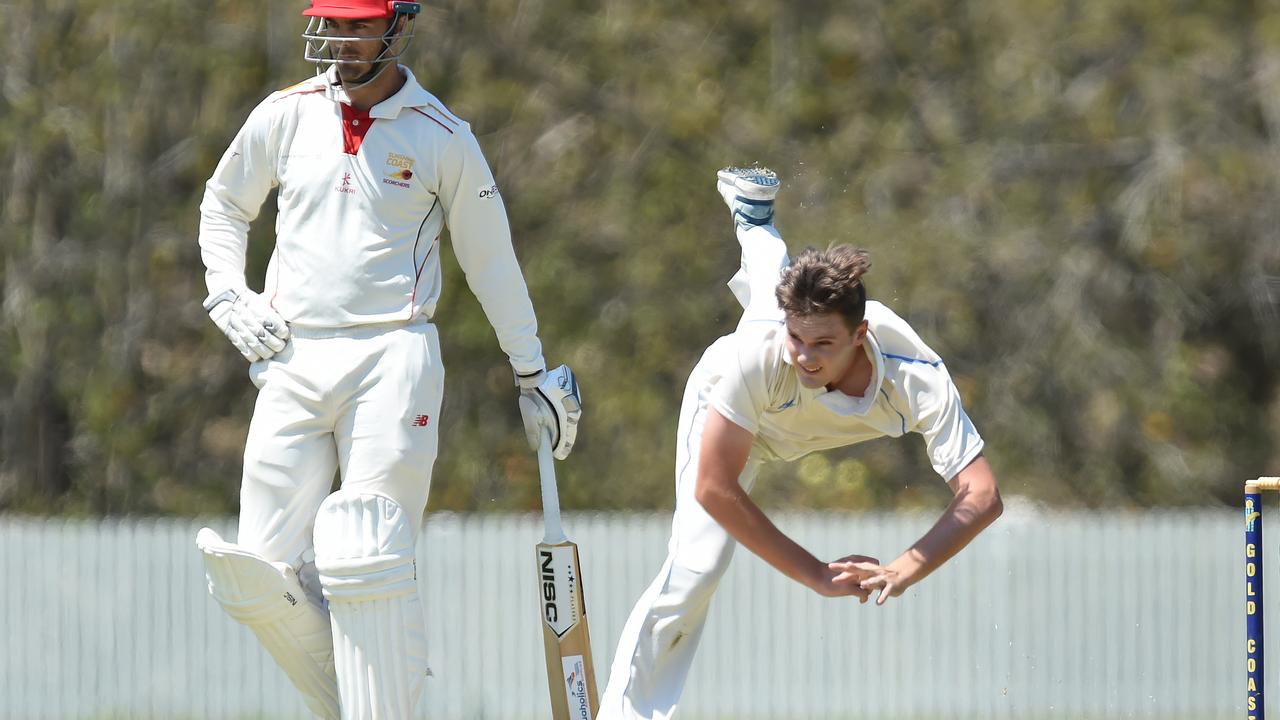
400, 169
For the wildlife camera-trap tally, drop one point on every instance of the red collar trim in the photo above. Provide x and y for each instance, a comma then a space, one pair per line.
355, 124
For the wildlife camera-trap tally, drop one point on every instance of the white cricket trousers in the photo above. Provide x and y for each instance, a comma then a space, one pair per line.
655, 651
364, 401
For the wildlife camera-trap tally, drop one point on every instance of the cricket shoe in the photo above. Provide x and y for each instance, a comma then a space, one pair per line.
749, 193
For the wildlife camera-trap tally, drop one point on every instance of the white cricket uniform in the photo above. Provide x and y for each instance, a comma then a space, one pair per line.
749, 380
363, 198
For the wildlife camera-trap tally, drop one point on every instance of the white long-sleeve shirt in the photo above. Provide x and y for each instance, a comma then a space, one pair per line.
749, 379
363, 199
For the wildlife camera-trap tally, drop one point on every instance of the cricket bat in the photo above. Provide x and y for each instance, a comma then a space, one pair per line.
570, 673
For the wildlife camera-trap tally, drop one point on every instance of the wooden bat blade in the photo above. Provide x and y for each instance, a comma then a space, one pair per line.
570, 673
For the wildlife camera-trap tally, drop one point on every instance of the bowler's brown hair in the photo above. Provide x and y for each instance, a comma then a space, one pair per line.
826, 281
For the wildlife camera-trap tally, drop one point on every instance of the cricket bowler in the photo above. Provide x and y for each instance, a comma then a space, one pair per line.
812, 365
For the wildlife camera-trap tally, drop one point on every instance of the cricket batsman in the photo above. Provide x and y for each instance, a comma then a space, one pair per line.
370, 169
812, 365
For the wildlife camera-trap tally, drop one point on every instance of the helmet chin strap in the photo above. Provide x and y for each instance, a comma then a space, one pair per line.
379, 67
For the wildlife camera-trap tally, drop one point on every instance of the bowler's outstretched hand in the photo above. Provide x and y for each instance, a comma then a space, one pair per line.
843, 579
875, 576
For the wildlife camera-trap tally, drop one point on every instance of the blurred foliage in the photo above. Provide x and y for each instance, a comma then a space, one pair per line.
1075, 203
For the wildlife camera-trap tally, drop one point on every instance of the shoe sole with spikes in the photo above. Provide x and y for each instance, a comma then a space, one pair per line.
754, 183
749, 193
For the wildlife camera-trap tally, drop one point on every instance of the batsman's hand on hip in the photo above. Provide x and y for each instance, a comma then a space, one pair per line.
249, 322
550, 402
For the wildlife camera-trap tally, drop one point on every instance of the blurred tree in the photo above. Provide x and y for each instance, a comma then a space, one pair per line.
1074, 203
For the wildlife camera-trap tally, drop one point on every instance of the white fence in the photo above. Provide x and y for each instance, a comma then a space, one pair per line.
1044, 616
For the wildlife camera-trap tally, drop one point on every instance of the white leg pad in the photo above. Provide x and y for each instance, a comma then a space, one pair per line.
268, 598
365, 556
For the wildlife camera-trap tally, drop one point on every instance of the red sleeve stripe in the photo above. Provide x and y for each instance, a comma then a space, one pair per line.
433, 119
446, 114
300, 91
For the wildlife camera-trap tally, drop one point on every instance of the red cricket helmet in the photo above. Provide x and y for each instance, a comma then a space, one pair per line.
359, 9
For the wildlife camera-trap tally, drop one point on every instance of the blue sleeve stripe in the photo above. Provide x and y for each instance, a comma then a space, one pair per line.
689, 449
904, 358
891, 407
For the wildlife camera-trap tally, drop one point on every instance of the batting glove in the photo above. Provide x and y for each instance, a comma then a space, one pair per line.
550, 402
249, 322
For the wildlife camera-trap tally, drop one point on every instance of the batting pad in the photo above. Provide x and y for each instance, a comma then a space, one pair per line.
268, 598
364, 553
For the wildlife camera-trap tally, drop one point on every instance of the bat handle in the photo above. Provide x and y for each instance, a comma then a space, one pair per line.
553, 530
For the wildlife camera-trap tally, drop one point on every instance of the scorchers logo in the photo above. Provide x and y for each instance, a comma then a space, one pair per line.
401, 170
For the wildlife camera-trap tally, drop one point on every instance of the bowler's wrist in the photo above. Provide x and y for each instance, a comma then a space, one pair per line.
815, 574
907, 567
